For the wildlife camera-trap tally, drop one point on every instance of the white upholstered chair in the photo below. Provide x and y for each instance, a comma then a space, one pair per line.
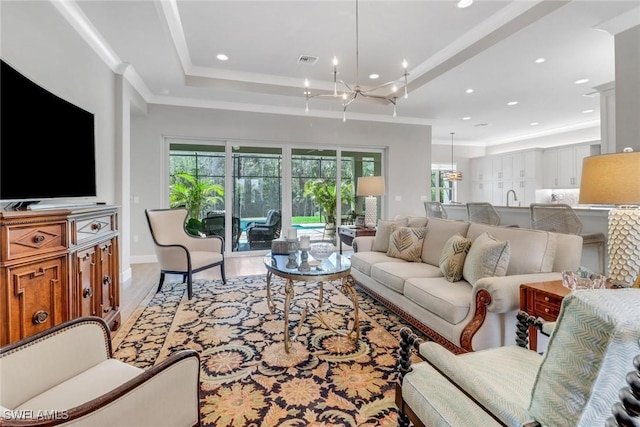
66, 376
591, 356
179, 252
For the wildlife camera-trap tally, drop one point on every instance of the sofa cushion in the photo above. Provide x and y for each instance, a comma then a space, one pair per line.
406, 243
362, 261
450, 301
414, 221
488, 257
532, 251
394, 274
438, 232
383, 233
453, 255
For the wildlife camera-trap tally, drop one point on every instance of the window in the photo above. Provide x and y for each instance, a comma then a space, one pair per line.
441, 190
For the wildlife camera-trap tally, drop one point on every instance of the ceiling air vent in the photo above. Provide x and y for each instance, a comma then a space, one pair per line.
307, 59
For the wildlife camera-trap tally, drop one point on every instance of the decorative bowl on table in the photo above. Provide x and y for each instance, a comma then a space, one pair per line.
321, 251
579, 280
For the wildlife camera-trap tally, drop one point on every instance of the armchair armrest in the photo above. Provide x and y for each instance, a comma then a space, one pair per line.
213, 243
166, 394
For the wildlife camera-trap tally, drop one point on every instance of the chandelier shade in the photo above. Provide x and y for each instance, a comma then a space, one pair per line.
351, 93
452, 175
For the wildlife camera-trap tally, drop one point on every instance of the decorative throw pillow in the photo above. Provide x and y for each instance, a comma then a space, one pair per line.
383, 232
487, 257
406, 243
453, 256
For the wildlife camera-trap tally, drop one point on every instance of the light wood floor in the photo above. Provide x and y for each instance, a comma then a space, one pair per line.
145, 277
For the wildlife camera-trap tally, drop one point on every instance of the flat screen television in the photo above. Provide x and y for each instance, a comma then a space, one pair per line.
47, 144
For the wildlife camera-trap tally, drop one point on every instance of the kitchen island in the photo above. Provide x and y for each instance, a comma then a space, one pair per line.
594, 220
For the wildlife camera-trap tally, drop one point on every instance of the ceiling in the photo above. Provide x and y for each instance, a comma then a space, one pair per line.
490, 47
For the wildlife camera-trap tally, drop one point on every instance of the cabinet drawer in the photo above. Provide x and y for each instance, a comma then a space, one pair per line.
546, 305
93, 228
35, 239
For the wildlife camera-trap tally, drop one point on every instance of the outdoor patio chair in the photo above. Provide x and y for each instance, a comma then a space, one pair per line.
265, 231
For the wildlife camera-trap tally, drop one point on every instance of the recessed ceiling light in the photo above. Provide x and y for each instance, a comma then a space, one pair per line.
222, 57
587, 111
512, 103
373, 76
540, 60
466, 118
464, 3
534, 124
581, 81
469, 90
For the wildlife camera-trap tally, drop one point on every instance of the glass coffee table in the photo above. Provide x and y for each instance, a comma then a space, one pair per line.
336, 267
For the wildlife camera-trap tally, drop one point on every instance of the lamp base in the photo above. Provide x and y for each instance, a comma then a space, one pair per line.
371, 212
624, 245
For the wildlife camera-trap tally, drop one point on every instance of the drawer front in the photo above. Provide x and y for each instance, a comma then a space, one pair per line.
35, 239
546, 306
351, 232
93, 228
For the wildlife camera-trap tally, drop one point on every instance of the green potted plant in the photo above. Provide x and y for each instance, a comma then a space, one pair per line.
195, 195
323, 192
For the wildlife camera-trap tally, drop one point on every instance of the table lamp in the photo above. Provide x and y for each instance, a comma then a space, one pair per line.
614, 179
371, 186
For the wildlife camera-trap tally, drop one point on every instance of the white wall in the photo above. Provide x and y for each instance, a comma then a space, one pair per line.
39, 43
408, 162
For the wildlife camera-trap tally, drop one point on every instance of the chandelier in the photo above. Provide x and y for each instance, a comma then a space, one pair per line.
452, 175
351, 94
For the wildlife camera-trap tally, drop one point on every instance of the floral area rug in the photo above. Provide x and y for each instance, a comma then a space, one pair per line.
247, 378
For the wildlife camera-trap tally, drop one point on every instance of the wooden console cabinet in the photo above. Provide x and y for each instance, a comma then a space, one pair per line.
56, 265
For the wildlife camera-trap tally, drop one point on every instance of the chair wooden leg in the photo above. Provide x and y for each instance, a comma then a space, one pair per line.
161, 281
189, 287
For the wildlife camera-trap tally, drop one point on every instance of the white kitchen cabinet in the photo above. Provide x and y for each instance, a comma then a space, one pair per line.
481, 191
481, 169
502, 167
527, 165
562, 167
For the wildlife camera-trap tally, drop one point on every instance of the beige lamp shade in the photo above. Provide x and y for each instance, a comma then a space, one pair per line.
611, 179
371, 186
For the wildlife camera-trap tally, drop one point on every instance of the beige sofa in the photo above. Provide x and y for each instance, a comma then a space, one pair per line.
460, 315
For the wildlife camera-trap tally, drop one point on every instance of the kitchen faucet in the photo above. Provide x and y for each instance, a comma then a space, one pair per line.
515, 197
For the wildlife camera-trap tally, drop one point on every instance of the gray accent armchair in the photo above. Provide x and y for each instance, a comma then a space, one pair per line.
179, 252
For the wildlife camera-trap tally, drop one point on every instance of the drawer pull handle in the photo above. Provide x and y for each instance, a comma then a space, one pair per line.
106, 280
38, 238
87, 293
546, 310
96, 226
39, 317
546, 299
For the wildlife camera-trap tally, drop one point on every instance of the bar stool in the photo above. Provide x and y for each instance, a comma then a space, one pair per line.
561, 218
482, 212
435, 210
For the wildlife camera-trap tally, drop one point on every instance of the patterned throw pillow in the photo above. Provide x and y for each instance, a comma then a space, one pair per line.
406, 243
453, 255
383, 232
487, 257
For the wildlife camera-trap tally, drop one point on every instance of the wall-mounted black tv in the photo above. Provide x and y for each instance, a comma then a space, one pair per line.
47, 144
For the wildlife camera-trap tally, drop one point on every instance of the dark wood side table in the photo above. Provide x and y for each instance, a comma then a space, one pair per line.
542, 299
348, 233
